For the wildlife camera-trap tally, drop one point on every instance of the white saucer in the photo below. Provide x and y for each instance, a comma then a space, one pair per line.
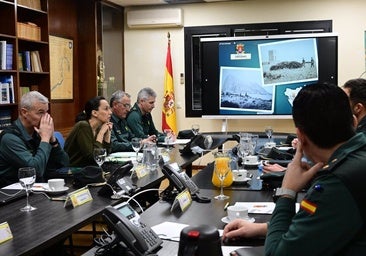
56, 192
226, 219
251, 164
242, 181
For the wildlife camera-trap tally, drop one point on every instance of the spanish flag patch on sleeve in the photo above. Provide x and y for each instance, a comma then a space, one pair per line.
308, 206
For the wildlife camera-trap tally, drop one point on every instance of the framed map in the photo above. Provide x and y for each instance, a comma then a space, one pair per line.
61, 68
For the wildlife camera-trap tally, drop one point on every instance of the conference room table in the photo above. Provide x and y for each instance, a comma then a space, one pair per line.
51, 222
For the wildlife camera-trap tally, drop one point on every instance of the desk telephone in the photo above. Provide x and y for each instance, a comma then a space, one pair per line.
180, 180
135, 235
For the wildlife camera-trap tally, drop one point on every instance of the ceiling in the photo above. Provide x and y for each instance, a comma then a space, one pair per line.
126, 3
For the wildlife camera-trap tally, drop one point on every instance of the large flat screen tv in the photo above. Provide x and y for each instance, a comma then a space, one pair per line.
258, 77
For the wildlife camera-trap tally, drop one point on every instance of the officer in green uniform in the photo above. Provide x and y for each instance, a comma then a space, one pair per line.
332, 215
356, 91
140, 120
121, 136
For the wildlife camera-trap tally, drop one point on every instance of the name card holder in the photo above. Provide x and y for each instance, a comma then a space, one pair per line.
183, 200
5, 232
78, 197
140, 171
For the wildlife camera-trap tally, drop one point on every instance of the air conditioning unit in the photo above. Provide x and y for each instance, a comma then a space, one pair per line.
155, 18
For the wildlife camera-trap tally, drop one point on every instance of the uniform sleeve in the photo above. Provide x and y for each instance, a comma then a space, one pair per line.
135, 123
121, 144
18, 155
328, 219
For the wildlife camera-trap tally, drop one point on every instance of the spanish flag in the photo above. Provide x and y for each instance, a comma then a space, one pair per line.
169, 110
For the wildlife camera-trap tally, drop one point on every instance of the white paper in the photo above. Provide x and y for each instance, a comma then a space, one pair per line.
177, 141
261, 207
169, 230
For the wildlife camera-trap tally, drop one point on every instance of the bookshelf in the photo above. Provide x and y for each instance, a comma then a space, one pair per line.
25, 33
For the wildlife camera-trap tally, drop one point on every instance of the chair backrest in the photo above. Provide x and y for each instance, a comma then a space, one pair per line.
60, 138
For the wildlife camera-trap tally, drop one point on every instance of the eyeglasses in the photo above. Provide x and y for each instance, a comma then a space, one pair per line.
126, 105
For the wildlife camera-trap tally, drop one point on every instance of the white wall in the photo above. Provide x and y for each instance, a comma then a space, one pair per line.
145, 49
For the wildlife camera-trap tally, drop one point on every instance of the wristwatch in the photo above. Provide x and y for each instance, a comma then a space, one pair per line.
279, 192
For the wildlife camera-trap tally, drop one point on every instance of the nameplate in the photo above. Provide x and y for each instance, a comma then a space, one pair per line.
78, 197
183, 200
5, 232
140, 171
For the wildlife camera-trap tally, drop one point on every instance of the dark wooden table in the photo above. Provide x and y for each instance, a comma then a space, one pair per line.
50, 223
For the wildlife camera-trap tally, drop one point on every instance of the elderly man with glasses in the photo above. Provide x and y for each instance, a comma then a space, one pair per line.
121, 136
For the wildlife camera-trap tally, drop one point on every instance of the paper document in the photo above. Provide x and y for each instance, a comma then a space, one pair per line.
177, 141
261, 207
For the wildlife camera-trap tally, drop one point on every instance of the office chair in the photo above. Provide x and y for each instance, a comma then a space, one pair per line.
60, 138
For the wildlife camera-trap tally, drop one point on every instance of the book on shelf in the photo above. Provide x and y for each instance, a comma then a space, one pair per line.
10, 81
5, 118
23, 90
9, 56
20, 61
5, 94
35, 61
26, 61
2, 54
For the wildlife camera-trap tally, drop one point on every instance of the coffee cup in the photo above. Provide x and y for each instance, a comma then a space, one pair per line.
270, 145
237, 212
240, 175
251, 160
56, 184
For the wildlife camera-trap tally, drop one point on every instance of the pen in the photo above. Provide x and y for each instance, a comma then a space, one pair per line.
226, 205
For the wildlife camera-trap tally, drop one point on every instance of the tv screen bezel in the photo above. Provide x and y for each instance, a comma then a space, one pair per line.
327, 73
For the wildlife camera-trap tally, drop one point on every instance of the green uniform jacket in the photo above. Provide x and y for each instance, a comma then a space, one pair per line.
121, 135
25, 150
142, 125
80, 145
331, 219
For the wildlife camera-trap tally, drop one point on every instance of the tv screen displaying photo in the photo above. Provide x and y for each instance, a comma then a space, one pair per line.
262, 75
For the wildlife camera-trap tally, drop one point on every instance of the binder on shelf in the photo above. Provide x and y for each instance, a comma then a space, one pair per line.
2, 54
5, 95
35, 61
26, 61
9, 56
23, 90
5, 118
20, 61
10, 81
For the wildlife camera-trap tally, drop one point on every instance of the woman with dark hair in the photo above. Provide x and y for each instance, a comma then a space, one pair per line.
92, 130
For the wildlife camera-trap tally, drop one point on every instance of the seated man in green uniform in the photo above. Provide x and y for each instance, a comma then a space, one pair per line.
30, 141
140, 120
121, 136
332, 215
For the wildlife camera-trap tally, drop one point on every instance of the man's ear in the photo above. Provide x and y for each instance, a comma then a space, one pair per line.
23, 111
301, 136
358, 108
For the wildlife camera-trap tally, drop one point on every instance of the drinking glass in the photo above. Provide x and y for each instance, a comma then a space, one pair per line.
195, 129
222, 169
99, 156
269, 131
168, 137
27, 177
136, 145
245, 148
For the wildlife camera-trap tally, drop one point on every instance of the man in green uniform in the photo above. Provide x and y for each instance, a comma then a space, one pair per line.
140, 120
121, 136
30, 141
356, 91
332, 215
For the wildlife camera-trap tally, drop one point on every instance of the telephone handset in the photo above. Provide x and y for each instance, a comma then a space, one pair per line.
181, 181
137, 236
178, 179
